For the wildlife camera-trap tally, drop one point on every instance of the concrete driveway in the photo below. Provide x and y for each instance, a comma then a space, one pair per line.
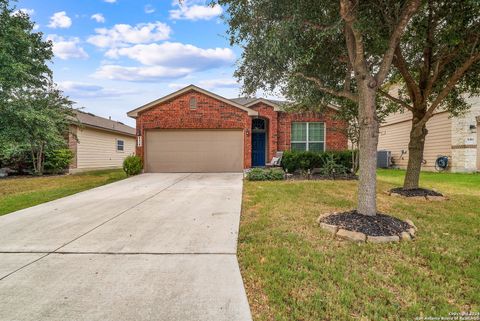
151, 247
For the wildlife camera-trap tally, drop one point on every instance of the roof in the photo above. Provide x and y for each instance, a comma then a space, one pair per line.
91, 120
134, 113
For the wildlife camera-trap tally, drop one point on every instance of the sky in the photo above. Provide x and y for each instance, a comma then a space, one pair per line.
112, 56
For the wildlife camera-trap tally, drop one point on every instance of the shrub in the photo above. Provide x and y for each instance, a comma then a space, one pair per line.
132, 165
295, 160
260, 174
57, 161
332, 166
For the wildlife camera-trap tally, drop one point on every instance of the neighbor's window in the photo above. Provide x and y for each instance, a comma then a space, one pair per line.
308, 137
193, 103
120, 145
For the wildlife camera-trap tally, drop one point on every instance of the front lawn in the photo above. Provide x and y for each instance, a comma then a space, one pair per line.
294, 271
23, 192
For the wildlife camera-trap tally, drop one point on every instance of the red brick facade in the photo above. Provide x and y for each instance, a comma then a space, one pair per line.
209, 114
215, 114
335, 138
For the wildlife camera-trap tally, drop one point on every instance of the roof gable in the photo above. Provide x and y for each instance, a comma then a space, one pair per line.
134, 113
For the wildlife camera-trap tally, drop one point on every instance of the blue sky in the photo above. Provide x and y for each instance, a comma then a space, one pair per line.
112, 56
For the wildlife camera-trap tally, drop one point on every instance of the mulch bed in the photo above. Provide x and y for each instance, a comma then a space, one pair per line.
378, 225
318, 177
415, 192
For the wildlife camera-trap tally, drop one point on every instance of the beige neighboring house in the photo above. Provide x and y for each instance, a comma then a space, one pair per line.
101, 143
455, 137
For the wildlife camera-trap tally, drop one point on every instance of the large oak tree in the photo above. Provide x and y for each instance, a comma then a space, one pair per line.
437, 66
320, 52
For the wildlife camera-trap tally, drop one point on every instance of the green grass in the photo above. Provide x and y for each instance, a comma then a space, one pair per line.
294, 271
23, 192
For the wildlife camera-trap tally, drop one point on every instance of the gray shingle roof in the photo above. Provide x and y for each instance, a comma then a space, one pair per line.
92, 120
247, 100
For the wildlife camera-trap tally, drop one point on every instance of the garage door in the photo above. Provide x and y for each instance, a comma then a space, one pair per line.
194, 151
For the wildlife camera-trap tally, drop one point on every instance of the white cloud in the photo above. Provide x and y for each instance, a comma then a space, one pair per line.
98, 17
29, 12
189, 10
219, 83
110, 1
168, 60
175, 54
149, 9
143, 73
60, 20
88, 90
209, 84
67, 48
124, 34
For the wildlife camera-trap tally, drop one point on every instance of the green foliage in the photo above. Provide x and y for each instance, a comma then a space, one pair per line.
33, 112
57, 161
132, 165
24, 55
269, 174
304, 161
332, 166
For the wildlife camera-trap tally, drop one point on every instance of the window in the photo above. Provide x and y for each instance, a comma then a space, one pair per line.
308, 137
193, 103
120, 145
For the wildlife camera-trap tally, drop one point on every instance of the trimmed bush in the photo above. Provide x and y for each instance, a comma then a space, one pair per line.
57, 161
132, 165
294, 160
261, 174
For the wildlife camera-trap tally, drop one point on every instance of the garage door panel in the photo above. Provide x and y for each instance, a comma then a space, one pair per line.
194, 150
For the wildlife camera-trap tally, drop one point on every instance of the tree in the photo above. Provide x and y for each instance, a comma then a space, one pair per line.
23, 53
437, 65
33, 112
39, 119
321, 52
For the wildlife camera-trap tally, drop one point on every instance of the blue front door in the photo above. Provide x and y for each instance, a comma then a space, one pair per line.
258, 149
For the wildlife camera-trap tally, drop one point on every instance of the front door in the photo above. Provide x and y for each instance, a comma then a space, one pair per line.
258, 149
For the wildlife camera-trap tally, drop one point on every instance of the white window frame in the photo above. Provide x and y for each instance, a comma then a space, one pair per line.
307, 141
123, 145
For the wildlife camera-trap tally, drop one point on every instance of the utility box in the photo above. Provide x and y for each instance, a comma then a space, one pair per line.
384, 159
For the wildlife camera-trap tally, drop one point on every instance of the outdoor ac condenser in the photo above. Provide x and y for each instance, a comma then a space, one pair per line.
383, 158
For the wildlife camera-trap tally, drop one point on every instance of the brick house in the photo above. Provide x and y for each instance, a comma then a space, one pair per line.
194, 130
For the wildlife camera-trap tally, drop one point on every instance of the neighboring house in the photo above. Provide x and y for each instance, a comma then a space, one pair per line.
194, 130
455, 137
100, 143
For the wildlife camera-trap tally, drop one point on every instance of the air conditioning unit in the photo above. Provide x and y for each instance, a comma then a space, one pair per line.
384, 159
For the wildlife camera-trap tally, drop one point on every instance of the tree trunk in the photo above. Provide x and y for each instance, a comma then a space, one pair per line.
367, 183
415, 154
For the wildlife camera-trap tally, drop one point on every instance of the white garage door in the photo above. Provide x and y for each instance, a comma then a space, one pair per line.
194, 151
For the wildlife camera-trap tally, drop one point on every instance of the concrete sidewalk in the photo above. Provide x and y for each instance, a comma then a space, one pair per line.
152, 247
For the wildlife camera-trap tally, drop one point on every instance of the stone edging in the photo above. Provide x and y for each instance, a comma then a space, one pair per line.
362, 238
419, 198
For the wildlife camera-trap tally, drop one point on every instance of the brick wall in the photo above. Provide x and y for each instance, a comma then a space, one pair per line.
209, 114
335, 139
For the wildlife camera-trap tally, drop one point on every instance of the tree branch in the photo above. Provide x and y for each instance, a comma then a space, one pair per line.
395, 100
408, 12
401, 64
320, 86
456, 76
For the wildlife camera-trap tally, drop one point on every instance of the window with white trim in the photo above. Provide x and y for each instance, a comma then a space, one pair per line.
308, 136
120, 145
